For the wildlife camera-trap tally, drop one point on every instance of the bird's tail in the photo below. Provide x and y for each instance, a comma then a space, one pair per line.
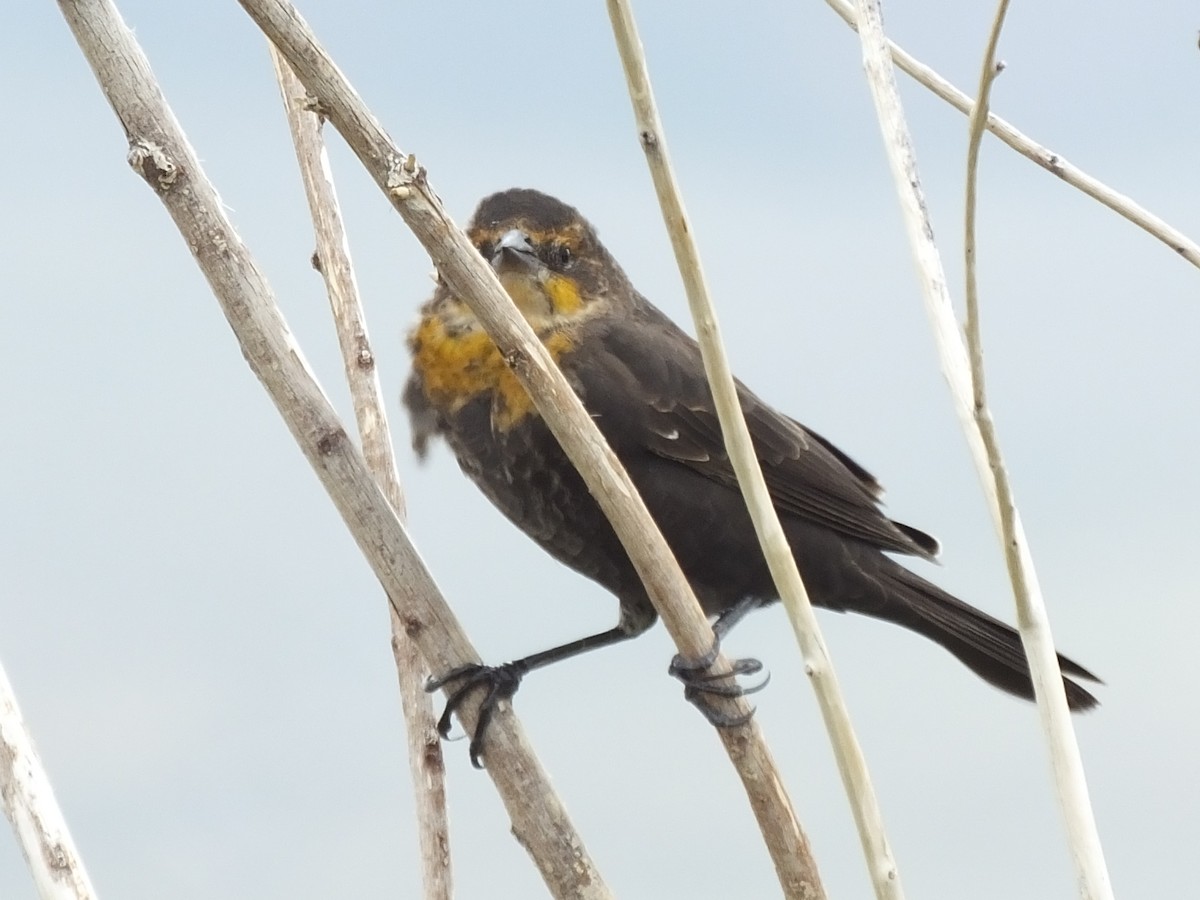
987, 646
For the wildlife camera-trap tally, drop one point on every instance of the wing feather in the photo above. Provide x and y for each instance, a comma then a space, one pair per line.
643, 379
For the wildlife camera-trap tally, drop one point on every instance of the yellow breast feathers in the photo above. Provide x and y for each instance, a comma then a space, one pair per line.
458, 366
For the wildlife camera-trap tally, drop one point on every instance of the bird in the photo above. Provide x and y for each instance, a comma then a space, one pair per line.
642, 379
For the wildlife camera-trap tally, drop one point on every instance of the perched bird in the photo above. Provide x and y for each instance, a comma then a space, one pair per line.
642, 380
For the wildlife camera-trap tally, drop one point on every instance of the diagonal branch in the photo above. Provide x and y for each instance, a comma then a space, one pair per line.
29, 803
160, 153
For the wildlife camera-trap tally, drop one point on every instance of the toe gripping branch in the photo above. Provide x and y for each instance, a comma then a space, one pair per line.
501, 683
701, 684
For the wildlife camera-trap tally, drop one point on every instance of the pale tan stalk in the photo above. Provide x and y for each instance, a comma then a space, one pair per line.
850, 759
427, 768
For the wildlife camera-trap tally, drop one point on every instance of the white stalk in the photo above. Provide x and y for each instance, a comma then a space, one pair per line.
1070, 782
29, 804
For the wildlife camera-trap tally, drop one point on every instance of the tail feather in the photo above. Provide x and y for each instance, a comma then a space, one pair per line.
986, 645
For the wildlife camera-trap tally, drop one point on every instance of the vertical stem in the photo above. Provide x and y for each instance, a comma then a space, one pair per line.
426, 764
1033, 622
864, 803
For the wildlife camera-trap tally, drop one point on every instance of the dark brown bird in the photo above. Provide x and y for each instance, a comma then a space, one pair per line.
643, 381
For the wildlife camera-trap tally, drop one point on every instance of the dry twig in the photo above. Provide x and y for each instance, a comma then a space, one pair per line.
1034, 623
332, 259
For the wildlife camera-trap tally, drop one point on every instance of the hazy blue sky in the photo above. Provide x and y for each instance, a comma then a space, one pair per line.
199, 648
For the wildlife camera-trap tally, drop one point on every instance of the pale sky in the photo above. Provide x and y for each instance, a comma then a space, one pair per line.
202, 653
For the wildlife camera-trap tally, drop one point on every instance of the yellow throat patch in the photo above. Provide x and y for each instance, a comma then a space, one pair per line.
458, 366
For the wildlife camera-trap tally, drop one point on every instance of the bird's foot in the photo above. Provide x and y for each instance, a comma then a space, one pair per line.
700, 684
501, 682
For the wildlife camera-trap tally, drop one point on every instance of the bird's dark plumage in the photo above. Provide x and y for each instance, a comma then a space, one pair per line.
643, 381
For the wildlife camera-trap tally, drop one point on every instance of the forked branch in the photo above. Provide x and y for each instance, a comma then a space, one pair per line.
1049, 160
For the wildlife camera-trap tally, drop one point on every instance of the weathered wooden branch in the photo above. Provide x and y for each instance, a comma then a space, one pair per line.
426, 763
159, 152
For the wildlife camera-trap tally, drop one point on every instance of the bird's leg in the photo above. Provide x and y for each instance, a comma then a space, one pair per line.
699, 683
503, 680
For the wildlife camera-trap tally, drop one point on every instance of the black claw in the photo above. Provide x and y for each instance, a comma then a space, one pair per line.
501, 683
749, 666
699, 699
692, 673
700, 684
716, 685
689, 669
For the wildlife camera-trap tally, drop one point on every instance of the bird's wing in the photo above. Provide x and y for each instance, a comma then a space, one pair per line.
643, 380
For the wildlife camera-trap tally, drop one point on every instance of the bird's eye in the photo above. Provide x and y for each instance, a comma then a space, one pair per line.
561, 254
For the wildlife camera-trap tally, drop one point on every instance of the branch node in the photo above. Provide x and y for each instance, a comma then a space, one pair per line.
364, 359
411, 624
331, 441
516, 359
403, 174
153, 163
313, 104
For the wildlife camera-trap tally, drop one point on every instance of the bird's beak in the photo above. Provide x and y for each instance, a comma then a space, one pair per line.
514, 253
521, 273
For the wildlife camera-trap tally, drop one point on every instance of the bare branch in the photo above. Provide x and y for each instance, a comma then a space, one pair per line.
332, 259
29, 804
159, 152
1034, 623
1050, 161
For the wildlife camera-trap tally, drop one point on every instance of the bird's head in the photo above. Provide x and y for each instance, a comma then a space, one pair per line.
547, 256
